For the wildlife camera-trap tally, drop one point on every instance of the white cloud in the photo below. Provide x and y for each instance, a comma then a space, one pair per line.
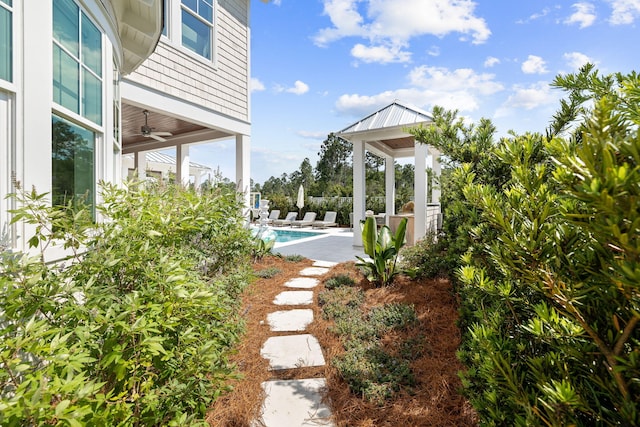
298, 88
584, 15
535, 16
534, 65
624, 11
312, 135
256, 85
460, 89
575, 60
385, 23
491, 61
527, 98
434, 51
381, 54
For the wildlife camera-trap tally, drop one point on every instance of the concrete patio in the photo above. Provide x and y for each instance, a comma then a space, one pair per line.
333, 245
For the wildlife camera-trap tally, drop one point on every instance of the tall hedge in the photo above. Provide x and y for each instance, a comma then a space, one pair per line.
547, 230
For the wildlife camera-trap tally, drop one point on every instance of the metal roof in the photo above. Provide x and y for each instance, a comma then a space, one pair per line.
154, 156
393, 115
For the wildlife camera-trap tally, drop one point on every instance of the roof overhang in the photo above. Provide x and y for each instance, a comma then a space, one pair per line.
385, 132
139, 26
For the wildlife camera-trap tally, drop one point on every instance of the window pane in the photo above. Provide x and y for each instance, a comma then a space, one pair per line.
196, 35
66, 80
91, 97
72, 162
191, 4
206, 10
165, 19
6, 45
65, 25
91, 46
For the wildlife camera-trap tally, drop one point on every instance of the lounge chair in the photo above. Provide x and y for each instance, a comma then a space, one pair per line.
273, 215
308, 219
329, 220
287, 221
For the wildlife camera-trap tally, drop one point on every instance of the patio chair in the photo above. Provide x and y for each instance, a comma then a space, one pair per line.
286, 221
329, 220
308, 219
273, 215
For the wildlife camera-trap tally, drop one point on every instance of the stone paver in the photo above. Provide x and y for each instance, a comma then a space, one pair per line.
326, 264
292, 351
293, 403
290, 320
313, 271
302, 282
294, 298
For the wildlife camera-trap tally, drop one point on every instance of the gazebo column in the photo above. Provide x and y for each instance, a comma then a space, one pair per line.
390, 187
182, 164
435, 167
420, 194
243, 170
358, 190
140, 164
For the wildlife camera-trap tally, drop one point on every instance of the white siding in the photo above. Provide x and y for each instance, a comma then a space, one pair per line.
222, 85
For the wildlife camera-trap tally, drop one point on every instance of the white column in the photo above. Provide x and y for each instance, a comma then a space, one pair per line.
243, 170
140, 164
390, 186
182, 164
359, 186
435, 167
420, 195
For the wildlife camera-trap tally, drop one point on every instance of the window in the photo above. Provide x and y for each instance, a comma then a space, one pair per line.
165, 19
6, 40
197, 26
72, 163
77, 61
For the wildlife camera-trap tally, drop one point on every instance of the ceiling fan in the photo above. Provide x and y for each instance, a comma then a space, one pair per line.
148, 131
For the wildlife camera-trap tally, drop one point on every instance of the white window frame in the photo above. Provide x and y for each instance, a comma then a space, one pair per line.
72, 115
5, 84
173, 15
8, 175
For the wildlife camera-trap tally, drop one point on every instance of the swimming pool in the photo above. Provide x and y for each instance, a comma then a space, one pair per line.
291, 235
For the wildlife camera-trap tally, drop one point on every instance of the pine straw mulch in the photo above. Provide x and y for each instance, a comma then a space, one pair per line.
433, 401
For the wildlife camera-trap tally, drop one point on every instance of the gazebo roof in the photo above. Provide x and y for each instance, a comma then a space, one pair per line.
384, 130
393, 115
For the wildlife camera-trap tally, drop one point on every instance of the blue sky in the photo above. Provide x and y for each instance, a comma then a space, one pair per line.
318, 66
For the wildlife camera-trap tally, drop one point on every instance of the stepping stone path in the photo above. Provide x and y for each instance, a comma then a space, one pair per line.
296, 402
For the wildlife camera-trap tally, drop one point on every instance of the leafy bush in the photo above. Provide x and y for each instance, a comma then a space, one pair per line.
366, 366
547, 230
427, 258
383, 248
131, 332
267, 273
339, 280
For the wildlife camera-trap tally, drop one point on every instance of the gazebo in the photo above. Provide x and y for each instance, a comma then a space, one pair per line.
384, 133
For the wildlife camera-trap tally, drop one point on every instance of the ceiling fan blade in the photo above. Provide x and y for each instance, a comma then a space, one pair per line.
162, 133
156, 137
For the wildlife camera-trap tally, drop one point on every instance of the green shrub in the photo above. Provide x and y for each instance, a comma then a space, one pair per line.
548, 229
340, 301
137, 329
339, 280
428, 258
267, 273
373, 373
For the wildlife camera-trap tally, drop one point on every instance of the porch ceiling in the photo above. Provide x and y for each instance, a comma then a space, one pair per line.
183, 132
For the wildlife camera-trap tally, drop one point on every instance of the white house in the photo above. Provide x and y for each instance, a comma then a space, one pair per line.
83, 82
162, 167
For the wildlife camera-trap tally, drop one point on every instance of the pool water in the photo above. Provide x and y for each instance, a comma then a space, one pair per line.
291, 235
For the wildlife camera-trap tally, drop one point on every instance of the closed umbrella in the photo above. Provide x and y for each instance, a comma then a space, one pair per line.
300, 202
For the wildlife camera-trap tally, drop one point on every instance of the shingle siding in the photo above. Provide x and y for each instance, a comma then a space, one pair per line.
221, 86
